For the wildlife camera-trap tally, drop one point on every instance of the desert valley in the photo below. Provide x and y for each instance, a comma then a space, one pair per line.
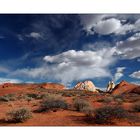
70, 70
52, 104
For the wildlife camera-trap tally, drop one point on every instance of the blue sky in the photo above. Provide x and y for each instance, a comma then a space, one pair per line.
70, 48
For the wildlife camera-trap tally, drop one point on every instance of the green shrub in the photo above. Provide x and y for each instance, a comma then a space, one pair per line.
19, 115
53, 102
106, 114
79, 104
8, 97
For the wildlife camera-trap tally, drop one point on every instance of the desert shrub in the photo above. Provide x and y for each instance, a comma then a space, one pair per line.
67, 94
43, 96
88, 111
79, 104
136, 107
106, 114
132, 98
106, 99
28, 98
115, 96
53, 102
119, 100
8, 97
19, 115
32, 95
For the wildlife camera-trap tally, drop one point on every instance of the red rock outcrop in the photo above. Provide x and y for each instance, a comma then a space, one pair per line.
136, 90
124, 87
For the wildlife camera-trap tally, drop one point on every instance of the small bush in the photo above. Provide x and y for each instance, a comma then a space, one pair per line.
19, 115
67, 94
8, 97
106, 99
106, 114
88, 110
136, 107
132, 98
79, 104
119, 100
53, 102
116, 96
43, 96
28, 98
32, 95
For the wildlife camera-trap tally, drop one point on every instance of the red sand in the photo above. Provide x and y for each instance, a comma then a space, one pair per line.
58, 118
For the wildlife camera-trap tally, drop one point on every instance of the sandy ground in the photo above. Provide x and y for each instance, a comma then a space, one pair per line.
58, 118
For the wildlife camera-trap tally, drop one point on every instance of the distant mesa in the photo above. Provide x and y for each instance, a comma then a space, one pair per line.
125, 87
86, 85
53, 86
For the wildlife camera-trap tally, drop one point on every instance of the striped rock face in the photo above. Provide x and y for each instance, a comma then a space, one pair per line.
86, 85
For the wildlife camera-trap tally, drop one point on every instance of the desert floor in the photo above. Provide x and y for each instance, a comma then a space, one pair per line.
64, 117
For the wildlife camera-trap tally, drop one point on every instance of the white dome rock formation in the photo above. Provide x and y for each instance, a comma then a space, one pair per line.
86, 85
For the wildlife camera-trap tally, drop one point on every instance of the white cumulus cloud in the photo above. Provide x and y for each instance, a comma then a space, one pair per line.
136, 36
108, 26
8, 80
34, 35
135, 74
119, 73
128, 49
73, 65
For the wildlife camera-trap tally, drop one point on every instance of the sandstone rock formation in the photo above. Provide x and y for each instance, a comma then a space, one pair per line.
86, 85
124, 87
136, 90
110, 86
53, 86
5, 85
